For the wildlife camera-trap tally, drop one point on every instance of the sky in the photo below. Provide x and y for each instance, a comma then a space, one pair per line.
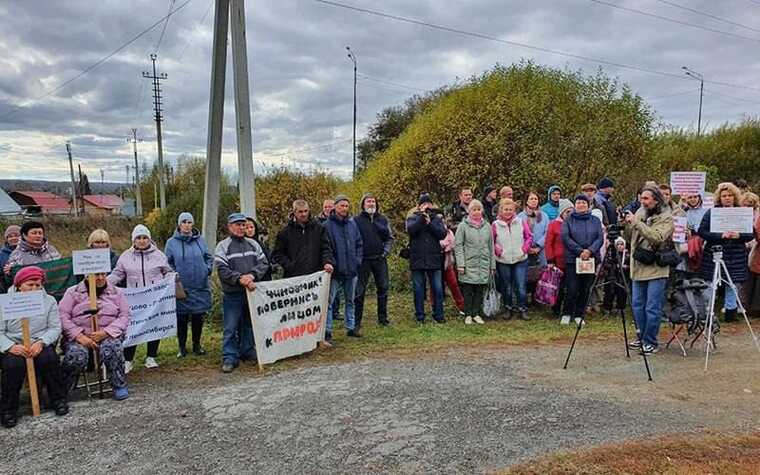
302, 81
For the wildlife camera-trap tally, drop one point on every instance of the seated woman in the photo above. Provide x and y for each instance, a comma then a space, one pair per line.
44, 333
78, 336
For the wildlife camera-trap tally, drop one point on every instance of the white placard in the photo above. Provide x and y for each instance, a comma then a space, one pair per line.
708, 202
18, 305
289, 315
679, 229
152, 312
91, 261
688, 183
726, 220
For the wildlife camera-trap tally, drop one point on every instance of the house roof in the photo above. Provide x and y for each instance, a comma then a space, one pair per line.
46, 200
7, 205
104, 201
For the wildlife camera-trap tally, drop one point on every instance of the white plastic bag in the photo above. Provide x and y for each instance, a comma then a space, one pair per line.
491, 300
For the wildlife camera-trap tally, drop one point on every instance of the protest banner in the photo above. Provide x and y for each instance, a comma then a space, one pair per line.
289, 315
679, 229
59, 276
708, 201
688, 183
152, 312
726, 220
23, 306
91, 261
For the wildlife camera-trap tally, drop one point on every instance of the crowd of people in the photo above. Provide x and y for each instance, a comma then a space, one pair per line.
475, 244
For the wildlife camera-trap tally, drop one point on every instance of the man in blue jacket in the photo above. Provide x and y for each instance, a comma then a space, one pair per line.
551, 207
346, 243
377, 240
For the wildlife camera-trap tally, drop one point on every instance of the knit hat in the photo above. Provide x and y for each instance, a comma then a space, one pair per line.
598, 214
583, 197
619, 241
140, 230
564, 204
605, 182
424, 198
12, 229
365, 196
185, 216
28, 273
340, 198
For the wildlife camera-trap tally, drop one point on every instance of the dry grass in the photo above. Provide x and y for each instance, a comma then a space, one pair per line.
710, 453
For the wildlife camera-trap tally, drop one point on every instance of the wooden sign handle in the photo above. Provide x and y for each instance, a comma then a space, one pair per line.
31, 376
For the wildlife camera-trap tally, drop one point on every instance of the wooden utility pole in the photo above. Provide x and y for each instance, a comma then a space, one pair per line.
156, 78
138, 192
74, 205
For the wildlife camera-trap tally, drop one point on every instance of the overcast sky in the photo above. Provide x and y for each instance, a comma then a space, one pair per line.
301, 79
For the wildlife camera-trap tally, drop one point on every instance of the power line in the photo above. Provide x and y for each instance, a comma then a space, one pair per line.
739, 99
673, 20
189, 38
524, 45
390, 83
708, 15
98, 62
311, 148
163, 30
666, 96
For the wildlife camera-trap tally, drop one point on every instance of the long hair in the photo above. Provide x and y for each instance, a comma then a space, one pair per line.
731, 188
657, 194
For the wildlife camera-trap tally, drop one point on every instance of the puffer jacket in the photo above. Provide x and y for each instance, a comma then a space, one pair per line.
47, 330
25, 255
190, 257
347, 245
653, 233
582, 231
424, 241
5, 254
140, 268
555, 250
735, 252
551, 208
474, 252
113, 311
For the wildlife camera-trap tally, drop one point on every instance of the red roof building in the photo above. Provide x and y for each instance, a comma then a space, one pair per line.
102, 205
41, 202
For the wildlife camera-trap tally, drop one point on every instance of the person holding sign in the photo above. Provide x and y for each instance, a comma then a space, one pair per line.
189, 256
141, 265
735, 253
79, 337
43, 331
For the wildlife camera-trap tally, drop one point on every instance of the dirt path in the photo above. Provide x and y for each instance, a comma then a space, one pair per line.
459, 411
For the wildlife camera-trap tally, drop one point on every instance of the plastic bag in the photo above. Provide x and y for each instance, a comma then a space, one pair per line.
491, 300
547, 289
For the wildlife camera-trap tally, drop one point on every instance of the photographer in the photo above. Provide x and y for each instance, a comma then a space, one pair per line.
426, 229
648, 231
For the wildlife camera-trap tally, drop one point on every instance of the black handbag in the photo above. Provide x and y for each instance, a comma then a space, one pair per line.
645, 256
668, 258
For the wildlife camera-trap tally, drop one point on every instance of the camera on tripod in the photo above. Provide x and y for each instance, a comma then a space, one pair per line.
717, 251
614, 231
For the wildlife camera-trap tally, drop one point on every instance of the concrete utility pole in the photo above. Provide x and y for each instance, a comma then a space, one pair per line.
156, 78
81, 191
73, 182
138, 192
352, 57
226, 12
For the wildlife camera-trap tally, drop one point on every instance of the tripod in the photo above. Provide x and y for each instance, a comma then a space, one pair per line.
718, 279
622, 283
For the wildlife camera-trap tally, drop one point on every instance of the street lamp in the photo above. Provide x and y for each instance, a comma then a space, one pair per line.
352, 57
701, 79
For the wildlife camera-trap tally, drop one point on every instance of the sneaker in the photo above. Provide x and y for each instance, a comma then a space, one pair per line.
580, 321
199, 351
181, 353
120, 394
524, 315
649, 349
565, 320
635, 345
326, 344
228, 368
461, 313
478, 320
468, 320
151, 362
127, 367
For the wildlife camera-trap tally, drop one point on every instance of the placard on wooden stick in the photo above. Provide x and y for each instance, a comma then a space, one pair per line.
91, 261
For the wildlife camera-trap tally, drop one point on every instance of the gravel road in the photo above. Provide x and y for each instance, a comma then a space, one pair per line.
475, 410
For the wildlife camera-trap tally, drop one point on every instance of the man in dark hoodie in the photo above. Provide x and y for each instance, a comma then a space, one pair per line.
551, 207
490, 203
377, 240
603, 199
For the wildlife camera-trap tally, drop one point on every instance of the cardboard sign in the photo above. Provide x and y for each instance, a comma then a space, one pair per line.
679, 229
19, 305
688, 183
726, 220
91, 261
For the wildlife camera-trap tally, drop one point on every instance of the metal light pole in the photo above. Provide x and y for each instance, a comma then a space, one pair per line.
352, 57
701, 79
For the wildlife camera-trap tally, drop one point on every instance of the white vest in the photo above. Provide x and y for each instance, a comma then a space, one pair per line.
510, 238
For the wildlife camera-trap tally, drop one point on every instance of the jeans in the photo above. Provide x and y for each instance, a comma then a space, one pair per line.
348, 286
577, 289
418, 283
237, 334
513, 278
647, 302
379, 269
473, 298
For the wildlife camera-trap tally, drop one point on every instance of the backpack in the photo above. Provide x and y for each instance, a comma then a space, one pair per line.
688, 305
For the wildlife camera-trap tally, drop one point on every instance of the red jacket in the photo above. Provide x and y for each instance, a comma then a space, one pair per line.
554, 249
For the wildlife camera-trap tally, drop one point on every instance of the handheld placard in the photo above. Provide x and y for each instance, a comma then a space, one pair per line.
95, 327
31, 376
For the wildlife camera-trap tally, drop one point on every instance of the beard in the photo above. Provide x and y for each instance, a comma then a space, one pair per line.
370, 210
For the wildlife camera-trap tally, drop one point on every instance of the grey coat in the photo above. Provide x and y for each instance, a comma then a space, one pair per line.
46, 329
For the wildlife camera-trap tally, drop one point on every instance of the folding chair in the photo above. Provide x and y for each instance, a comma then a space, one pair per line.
101, 383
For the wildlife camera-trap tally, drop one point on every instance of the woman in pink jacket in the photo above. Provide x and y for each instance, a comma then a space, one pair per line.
78, 336
141, 265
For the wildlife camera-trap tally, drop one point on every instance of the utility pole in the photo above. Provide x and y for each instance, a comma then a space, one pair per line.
695, 75
128, 184
73, 182
81, 191
156, 78
138, 192
102, 182
352, 57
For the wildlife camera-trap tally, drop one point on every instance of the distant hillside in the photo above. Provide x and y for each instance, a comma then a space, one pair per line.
58, 187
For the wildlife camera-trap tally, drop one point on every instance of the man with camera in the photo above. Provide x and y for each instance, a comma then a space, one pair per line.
648, 231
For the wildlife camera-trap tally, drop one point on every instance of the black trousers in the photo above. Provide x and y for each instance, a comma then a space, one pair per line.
129, 352
561, 291
49, 375
473, 298
577, 288
196, 321
379, 270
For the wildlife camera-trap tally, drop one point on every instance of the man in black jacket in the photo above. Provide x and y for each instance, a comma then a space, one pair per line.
302, 246
377, 241
458, 209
